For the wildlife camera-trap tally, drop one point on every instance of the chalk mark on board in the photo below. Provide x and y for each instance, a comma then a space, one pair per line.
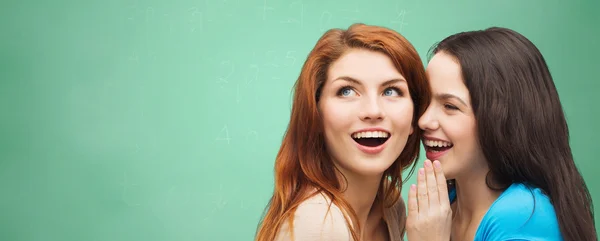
250, 80
133, 10
353, 13
273, 59
293, 20
252, 133
226, 132
166, 15
134, 57
219, 201
321, 25
400, 15
224, 4
265, 8
126, 185
289, 56
201, 21
237, 95
193, 18
224, 79
149, 11
151, 55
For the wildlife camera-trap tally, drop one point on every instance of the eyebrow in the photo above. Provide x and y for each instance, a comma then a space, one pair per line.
353, 80
445, 96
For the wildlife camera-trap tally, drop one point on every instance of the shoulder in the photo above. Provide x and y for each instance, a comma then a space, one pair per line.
521, 212
316, 218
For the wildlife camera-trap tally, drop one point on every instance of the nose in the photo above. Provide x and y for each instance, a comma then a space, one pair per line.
372, 110
428, 120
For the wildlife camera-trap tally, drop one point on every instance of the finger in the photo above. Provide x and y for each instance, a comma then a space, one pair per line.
413, 207
422, 198
441, 183
432, 186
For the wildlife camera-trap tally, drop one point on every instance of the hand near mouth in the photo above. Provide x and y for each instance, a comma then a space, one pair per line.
429, 212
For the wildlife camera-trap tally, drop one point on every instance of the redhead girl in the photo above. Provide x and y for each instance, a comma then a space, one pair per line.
352, 131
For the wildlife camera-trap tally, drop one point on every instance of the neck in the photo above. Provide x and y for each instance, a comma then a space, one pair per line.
360, 192
473, 197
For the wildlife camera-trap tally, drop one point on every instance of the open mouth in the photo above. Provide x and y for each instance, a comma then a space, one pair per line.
371, 138
437, 146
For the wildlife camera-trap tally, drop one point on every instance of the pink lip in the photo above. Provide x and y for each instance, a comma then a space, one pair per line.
434, 155
372, 150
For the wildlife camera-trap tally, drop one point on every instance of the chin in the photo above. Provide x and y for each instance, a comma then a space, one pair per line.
370, 167
361, 164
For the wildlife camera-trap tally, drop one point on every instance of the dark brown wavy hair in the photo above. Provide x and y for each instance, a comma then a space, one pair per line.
520, 122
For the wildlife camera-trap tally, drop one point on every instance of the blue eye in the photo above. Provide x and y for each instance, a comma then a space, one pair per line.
391, 91
345, 91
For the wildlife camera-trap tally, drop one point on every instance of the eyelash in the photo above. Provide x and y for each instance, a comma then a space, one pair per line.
400, 93
450, 107
339, 92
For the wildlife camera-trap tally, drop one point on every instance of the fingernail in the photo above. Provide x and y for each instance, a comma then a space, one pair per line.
421, 171
427, 163
437, 164
413, 187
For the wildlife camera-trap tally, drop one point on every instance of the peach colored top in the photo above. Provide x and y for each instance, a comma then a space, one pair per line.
314, 220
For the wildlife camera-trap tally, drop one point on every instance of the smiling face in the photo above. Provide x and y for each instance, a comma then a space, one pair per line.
367, 112
450, 133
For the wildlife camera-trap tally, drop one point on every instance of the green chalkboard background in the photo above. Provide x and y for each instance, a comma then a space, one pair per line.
160, 120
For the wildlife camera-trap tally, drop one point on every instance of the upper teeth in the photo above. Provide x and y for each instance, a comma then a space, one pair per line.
370, 134
437, 143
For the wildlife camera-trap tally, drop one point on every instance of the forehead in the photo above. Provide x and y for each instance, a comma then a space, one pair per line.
445, 76
444, 70
364, 65
443, 66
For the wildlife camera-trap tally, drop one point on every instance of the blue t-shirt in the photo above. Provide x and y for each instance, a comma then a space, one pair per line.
511, 216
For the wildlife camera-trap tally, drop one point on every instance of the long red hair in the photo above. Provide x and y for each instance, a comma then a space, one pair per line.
302, 164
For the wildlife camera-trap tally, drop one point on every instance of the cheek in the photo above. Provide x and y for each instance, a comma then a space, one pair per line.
336, 118
464, 136
465, 133
332, 110
460, 130
402, 115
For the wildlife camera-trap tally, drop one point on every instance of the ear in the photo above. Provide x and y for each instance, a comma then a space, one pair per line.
412, 130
